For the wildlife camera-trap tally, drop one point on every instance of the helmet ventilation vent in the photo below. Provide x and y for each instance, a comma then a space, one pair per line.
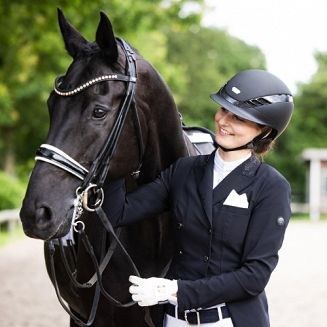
257, 102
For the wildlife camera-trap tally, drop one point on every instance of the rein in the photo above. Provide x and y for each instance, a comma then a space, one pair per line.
91, 187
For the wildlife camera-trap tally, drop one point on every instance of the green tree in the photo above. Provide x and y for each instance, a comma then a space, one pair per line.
32, 54
307, 127
207, 58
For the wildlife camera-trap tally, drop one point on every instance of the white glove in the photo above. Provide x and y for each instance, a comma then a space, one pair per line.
151, 291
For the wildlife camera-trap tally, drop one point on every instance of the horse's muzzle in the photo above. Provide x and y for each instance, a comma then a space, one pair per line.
41, 223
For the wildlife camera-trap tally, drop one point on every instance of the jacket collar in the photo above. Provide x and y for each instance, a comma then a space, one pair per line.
238, 180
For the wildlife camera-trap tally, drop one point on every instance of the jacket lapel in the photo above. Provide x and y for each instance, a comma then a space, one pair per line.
237, 180
204, 181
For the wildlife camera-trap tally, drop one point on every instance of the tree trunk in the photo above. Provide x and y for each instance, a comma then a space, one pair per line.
9, 160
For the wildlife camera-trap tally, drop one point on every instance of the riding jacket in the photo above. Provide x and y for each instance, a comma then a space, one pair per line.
226, 250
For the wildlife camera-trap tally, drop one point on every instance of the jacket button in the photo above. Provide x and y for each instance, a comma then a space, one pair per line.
280, 221
206, 258
180, 252
210, 231
179, 226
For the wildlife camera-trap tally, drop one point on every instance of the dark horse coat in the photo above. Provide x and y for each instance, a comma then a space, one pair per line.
224, 253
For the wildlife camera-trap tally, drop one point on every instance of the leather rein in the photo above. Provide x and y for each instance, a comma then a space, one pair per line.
90, 195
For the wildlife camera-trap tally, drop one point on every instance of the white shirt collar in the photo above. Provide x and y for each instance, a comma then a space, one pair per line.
222, 168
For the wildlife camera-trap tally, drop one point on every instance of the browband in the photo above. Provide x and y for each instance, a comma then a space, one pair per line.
111, 77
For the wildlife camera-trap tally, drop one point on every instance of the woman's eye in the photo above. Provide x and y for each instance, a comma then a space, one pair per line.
99, 112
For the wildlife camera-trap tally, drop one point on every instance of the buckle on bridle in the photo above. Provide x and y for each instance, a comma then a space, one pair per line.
186, 312
97, 196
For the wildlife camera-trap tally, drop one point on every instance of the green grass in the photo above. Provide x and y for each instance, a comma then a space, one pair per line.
6, 237
306, 217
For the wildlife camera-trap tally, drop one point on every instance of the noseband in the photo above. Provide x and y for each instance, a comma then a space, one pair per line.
54, 156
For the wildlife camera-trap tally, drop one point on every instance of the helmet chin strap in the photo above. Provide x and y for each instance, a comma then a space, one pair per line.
245, 146
250, 145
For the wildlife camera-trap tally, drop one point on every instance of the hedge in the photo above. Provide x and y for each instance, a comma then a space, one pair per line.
12, 192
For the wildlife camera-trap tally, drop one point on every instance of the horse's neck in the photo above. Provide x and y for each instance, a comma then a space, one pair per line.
165, 139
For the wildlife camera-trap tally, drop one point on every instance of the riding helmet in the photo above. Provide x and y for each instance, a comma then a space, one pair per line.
258, 96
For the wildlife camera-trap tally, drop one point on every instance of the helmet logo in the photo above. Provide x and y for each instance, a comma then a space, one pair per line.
236, 90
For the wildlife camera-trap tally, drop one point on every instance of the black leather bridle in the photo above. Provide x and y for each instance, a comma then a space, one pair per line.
92, 182
98, 171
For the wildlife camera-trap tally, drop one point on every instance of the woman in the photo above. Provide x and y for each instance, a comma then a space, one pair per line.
230, 211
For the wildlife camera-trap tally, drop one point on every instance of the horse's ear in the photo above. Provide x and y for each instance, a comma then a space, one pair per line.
74, 41
105, 38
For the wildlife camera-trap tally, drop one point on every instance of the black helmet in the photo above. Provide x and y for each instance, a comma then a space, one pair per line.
258, 96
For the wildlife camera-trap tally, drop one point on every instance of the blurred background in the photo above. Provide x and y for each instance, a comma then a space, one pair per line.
196, 46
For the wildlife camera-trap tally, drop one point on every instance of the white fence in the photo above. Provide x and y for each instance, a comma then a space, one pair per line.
300, 207
11, 217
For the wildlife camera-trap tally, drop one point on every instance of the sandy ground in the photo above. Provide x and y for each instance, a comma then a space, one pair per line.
297, 290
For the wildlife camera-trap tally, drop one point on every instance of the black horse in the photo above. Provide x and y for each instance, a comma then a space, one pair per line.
105, 78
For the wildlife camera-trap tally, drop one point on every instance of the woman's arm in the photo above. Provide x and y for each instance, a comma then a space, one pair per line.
148, 200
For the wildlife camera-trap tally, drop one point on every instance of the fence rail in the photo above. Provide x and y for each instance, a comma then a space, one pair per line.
300, 207
11, 217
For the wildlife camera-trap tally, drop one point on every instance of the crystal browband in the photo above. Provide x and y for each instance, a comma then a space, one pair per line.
110, 77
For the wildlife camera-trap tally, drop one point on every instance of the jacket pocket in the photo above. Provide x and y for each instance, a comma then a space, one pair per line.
236, 221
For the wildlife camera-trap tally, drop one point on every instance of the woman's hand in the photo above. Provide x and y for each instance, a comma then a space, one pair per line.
151, 291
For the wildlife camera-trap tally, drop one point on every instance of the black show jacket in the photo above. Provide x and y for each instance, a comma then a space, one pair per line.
224, 253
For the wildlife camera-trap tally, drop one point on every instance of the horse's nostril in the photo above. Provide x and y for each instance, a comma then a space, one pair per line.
43, 215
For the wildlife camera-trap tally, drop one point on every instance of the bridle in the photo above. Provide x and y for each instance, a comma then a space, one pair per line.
100, 166
91, 188
93, 179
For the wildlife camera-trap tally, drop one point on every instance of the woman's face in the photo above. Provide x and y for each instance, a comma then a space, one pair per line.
233, 131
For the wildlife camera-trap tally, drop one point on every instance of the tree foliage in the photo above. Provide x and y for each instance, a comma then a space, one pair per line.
310, 117
195, 61
207, 58
307, 128
32, 54
12, 195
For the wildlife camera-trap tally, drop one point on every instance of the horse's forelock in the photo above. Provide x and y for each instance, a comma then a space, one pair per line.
88, 49
92, 49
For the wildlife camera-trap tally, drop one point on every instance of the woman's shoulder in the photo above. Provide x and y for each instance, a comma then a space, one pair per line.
271, 175
184, 165
198, 160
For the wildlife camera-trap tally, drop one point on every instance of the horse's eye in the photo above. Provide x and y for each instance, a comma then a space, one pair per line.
99, 112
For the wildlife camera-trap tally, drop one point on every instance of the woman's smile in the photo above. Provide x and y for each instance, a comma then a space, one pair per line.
233, 131
223, 131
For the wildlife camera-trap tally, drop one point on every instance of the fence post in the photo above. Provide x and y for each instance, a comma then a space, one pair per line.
11, 218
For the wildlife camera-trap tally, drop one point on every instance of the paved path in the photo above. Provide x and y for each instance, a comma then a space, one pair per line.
297, 290
27, 298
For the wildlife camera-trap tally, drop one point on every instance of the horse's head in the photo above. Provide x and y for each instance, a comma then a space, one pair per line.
82, 110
